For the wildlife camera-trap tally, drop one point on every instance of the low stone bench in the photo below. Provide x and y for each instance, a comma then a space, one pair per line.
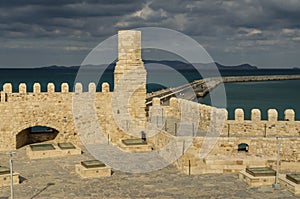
5, 177
291, 182
135, 145
258, 176
37, 151
92, 169
69, 148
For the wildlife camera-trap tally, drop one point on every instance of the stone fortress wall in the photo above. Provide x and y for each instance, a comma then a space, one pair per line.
58, 110
260, 135
68, 112
23, 109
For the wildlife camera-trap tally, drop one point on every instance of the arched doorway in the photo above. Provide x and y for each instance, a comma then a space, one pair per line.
35, 134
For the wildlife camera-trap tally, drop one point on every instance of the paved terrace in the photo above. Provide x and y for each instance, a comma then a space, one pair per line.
56, 178
203, 86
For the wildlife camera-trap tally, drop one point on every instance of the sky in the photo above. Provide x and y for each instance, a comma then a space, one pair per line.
264, 33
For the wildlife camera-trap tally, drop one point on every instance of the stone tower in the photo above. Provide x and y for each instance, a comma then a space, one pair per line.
130, 79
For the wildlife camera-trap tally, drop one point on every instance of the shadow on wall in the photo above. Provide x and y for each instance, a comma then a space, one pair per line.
35, 134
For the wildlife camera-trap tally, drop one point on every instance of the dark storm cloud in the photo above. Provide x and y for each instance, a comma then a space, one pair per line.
59, 18
198, 18
226, 28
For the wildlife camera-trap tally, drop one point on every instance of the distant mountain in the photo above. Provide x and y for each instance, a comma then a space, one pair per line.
187, 66
153, 64
55, 67
238, 67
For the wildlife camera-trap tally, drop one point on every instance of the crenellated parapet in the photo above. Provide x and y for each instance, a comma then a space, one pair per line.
51, 93
53, 107
64, 88
211, 117
256, 126
272, 115
260, 135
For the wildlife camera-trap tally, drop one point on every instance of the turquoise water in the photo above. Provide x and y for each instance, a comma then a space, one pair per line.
263, 95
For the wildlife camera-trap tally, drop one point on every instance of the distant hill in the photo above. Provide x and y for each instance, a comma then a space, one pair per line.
55, 67
238, 67
187, 66
153, 64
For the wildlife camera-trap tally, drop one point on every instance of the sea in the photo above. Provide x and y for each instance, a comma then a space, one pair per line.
263, 95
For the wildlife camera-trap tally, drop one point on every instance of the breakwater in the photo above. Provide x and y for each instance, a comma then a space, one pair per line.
203, 86
211, 83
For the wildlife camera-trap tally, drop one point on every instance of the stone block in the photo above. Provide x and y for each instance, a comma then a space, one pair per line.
255, 115
7, 88
135, 147
68, 148
256, 181
38, 151
50, 88
105, 87
78, 87
289, 115
272, 115
95, 171
36, 87
289, 185
239, 114
64, 87
22, 88
92, 87
5, 179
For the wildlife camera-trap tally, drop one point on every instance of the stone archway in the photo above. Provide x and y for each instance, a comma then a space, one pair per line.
35, 134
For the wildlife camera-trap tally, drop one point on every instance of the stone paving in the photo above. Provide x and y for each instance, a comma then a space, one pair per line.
56, 178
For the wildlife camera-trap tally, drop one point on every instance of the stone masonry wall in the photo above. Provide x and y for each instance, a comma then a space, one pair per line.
130, 79
24, 109
259, 134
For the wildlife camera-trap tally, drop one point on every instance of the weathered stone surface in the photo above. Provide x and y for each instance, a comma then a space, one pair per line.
256, 181
57, 178
121, 115
130, 79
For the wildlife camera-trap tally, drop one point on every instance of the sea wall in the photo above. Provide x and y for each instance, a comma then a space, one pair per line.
68, 112
207, 117
213, 126
73, 112
271, 127
65, 111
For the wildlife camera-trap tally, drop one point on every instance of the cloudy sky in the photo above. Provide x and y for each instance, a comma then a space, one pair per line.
265, 33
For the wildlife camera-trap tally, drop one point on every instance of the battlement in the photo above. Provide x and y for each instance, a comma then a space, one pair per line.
64, 88
239, 126
239, 115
